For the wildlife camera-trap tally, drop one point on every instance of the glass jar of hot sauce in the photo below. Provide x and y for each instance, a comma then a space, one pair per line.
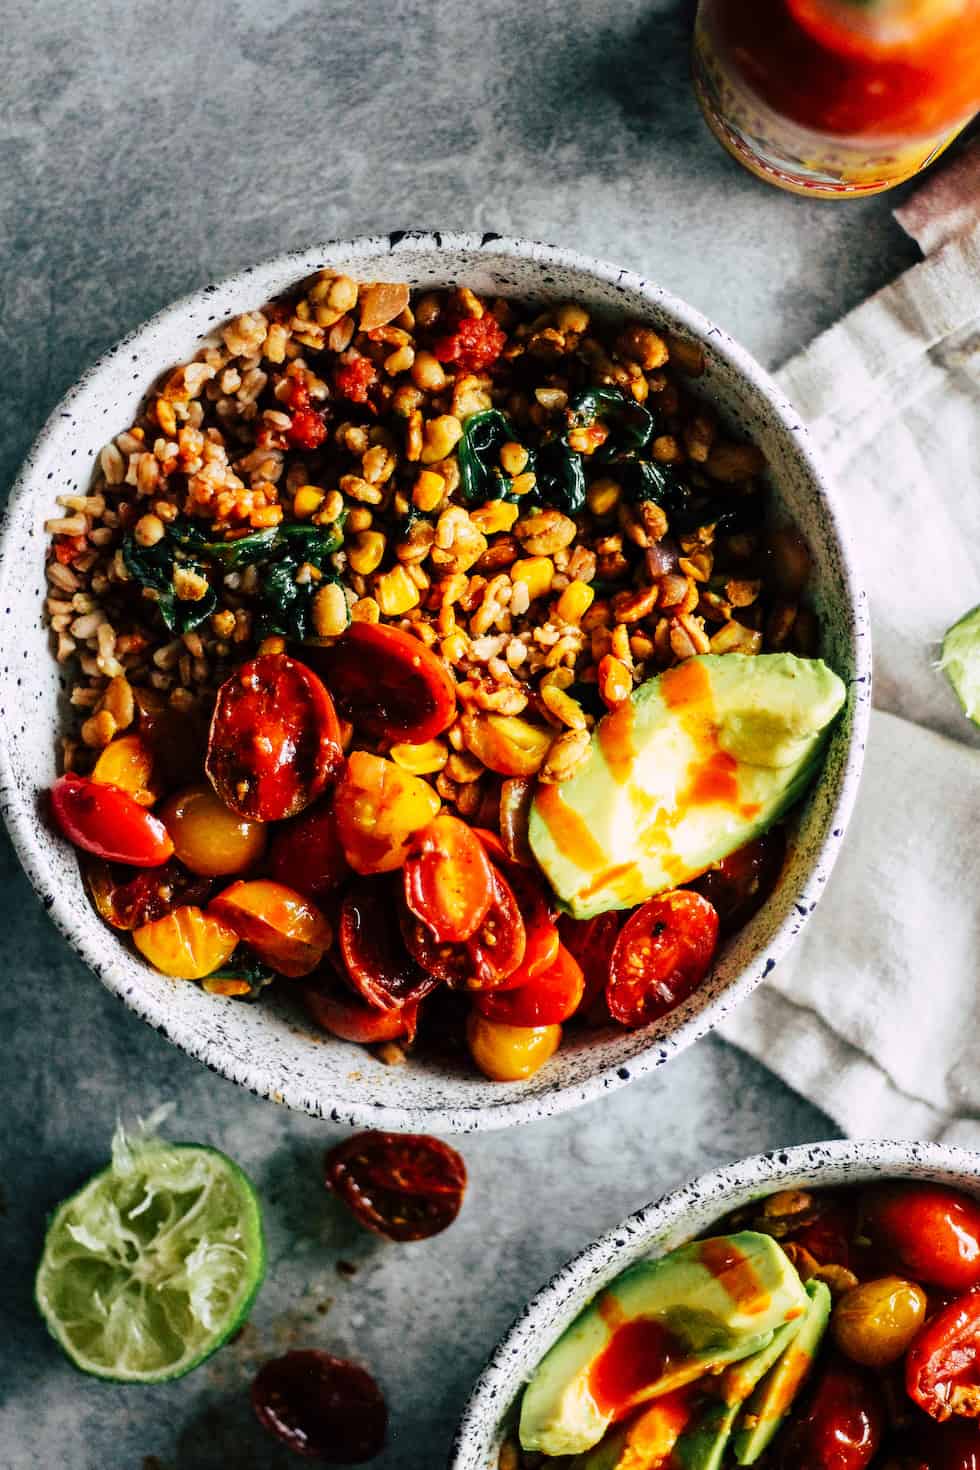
837, 98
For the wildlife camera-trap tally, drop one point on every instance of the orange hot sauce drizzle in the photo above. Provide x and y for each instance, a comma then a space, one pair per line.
735, 1273
636, 1355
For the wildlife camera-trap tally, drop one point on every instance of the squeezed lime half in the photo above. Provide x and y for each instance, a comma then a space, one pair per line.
960, 662
154, 1263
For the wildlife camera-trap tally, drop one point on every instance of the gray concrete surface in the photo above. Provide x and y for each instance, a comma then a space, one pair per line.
143, 150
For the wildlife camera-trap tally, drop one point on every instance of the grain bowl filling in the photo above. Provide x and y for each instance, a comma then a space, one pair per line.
435, 656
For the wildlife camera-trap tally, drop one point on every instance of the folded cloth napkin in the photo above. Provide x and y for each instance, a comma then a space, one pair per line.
875, 1015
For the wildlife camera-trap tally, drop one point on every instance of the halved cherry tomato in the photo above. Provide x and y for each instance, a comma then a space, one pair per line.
321, 1407
307, 854
942, 1368
186, 944
274, 741
540, 929
841, 1427
739, 885
388, 683
107, 822
663, 952
127, 762
592, 942
377, 962
495, 849
378, 807
404, 1186
208, 837
928, 1231
510, 1053
516, 796
284, 928
334, 1009
548, 999
447, 880
950, 1446
485, 960
128, 899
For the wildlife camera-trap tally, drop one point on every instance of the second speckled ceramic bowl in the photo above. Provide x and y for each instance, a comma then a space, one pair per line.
492, 1410
271, 1048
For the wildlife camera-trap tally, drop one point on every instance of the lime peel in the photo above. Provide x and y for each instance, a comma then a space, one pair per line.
155, 1262
960, 662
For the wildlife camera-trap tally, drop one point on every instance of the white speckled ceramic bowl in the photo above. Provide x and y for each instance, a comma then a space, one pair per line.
271, 1048
494, 1404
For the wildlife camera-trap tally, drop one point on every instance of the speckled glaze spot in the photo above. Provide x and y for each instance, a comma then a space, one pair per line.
493, 1405
270, 1048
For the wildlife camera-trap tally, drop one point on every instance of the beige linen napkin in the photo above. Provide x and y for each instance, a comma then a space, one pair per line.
875, 1015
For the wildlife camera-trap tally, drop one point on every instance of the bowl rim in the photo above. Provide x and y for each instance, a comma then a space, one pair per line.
492, 1393
458, 1117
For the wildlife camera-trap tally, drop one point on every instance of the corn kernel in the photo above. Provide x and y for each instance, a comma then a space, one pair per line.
330, 615
563, 707
522, 484
308, 498
575, 601
366, 553
420, 760
359, 518
559, 678
454, 647
496, 515
428, 491
365, 610
396, 592
537, 572
513, 458
615, 681
603, 496
275, 644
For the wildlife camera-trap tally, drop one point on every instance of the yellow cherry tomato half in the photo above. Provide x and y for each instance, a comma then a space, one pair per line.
186, 944
284, 928
128, 763
208, 837
510, 1053
377, 807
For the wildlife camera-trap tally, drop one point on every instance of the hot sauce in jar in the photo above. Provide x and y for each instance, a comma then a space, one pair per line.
837, 98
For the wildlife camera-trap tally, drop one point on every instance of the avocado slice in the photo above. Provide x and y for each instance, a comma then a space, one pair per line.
698, 762
769, 1404
960, 662
646, 1441
658, 1326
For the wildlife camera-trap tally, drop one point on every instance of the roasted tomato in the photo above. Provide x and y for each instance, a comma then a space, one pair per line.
388, 683
549, 998
127, 762
540, 929
186, 944
321, 1407
208, 837
284, 928
336, 1010
874, 1323
177, 737
107, 822
663, 952
307, 854
592, 942
927, 1231
275, 739
739, 885
949, 1446
405, 1186
942, 1370
473, 345
377, 963
485, 960
128, 899
510, 1053
516, 796
378, 808
841, 1427
447, 879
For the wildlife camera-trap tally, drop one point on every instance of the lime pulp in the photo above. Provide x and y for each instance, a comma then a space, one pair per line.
960, 662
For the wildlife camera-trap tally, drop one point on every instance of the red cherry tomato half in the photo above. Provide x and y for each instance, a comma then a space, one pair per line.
334, 1009
547, 1000
950, 1446
405, 1186
284, 928
307, 854
388, 683
494, 847
842, 1426
447, 879
323, 1408
274, 741
378, 965
739, 885
592, 942
485, 960
942, 1367
128, 900
663, 952
930, 1232
107, 822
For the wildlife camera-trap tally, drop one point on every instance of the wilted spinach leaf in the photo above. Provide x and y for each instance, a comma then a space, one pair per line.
246, 965
560, 476
631, 425
153, 566
480, 473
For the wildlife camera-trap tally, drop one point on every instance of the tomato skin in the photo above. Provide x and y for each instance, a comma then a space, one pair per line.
547, 1000
127, 899
388, 683
484, 961
930, 1232
663, 952
510, 1053
377, 963
274, 742
842, 1426
540, 929
344, 1015
378, 807
740, 884
951, 1446
107, 822
306, 853
473, 345
284, 928
592, 942
186, 944
127, 762
208, 838
404, 1186
942, 1368
321, 1407
447, 879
